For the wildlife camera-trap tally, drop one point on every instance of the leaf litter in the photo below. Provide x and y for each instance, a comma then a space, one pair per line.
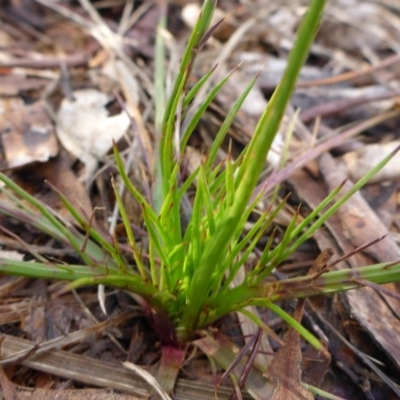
47, 58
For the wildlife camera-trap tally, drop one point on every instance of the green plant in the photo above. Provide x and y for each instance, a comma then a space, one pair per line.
184, 280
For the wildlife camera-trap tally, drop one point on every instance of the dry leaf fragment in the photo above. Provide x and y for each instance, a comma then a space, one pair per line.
58, 172
285, 368
8, 388
26, 134
86, 130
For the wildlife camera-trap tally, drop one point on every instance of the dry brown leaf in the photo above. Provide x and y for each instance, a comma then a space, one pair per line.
8, 388
59, 173
285, 368
26, 132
